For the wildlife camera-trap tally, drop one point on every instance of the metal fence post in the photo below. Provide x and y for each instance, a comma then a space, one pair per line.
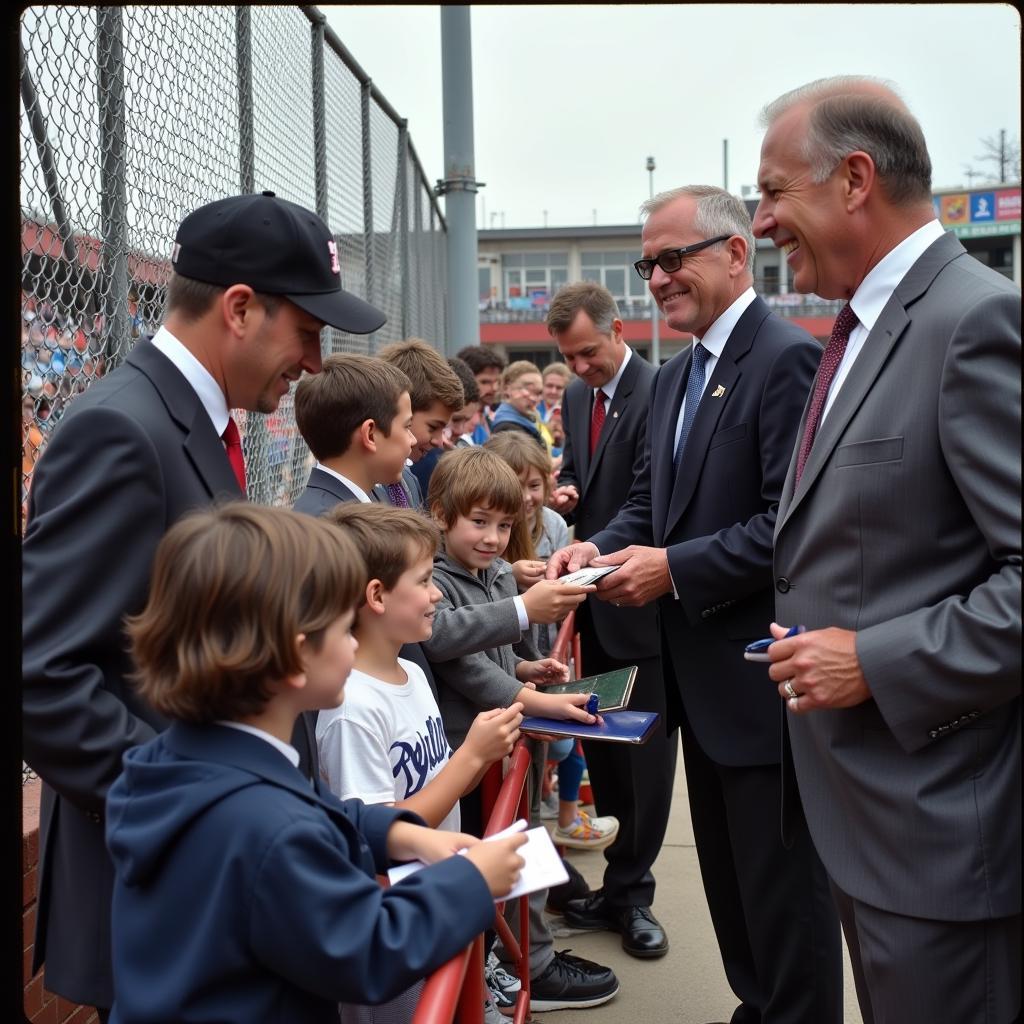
403, 223
417, 235
255, 440
368, 230
246, 142
37, 122
319, 116
113, 193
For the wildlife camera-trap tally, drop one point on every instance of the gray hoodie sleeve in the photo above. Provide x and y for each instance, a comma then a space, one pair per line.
470, 628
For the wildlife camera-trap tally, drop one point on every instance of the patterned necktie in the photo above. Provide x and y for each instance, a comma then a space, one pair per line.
396, 492
694, 389
233, 447
597, 419
845, 323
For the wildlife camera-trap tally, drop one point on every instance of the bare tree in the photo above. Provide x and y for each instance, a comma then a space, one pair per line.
1002, 155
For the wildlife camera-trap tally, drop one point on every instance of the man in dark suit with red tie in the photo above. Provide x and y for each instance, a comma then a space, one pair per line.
696, 535
604, 412
254, 279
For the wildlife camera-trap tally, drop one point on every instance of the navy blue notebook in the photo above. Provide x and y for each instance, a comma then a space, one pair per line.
618, 727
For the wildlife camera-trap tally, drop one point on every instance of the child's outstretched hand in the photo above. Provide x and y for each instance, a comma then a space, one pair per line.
407, 841
544, 672
570, 706
493, 733
549, 601
528, 571
498, 862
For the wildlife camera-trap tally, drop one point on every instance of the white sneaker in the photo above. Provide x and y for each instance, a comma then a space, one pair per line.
587, 833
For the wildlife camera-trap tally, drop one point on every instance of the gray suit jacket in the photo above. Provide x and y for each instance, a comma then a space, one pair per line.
603, 483
906, 528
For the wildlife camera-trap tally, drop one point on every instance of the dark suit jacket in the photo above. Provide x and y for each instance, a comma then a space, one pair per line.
603, 483
132, 454
906, 528
322, 493
716, 517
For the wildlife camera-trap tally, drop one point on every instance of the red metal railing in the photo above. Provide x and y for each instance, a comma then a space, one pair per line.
454, 993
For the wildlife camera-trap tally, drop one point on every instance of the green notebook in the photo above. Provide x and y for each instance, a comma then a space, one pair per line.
612, 688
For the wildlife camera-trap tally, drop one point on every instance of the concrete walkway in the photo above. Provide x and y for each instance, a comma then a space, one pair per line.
687, 985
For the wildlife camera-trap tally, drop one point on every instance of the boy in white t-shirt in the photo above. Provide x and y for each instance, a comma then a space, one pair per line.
386, 744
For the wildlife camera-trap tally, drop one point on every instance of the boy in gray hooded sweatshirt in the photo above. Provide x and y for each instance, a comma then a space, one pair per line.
482, 657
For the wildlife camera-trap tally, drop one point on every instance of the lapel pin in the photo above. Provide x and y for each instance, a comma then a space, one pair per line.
615, 415
719, 391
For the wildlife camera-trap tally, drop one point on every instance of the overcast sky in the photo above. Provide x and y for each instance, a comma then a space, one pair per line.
569, 101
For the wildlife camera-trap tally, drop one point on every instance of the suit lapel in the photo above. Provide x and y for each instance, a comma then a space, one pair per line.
200, 441
615, 409
578, 425
717, 393
890, 326
671, 388
331, 484
709, 412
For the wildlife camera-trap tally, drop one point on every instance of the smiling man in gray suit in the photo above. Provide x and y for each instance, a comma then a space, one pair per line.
898, 546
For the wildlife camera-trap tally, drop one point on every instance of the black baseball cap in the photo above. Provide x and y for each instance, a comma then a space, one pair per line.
275, 247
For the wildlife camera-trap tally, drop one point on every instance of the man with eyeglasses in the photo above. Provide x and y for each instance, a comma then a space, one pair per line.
695, 534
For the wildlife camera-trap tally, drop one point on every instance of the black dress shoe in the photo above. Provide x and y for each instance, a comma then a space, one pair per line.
591, 913
642, 935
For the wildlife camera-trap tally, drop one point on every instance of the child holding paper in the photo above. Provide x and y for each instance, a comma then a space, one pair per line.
241, 892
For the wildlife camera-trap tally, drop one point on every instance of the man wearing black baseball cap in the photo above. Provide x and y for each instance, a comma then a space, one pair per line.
254, 280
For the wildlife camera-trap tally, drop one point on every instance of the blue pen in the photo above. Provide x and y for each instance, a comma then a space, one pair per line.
758, 650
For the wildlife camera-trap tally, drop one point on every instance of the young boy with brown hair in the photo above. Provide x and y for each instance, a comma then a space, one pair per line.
386, 744
436, 393
242, 893
482, 657
355, 415
459, 432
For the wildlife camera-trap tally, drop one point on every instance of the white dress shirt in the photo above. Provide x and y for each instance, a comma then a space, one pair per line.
206, 388
360, 494
714, 341
609, 388
871, 297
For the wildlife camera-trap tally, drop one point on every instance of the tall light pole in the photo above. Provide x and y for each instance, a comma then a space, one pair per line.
459, 186
655, 318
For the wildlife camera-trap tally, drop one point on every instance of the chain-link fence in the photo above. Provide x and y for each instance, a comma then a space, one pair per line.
131, 117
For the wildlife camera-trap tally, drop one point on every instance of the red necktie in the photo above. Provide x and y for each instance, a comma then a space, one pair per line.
233, 446
596, 420
841, 329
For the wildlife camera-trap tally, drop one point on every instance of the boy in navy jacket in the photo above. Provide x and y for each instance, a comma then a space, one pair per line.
241, 892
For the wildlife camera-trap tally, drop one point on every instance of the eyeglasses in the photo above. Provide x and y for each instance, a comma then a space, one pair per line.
672, 259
